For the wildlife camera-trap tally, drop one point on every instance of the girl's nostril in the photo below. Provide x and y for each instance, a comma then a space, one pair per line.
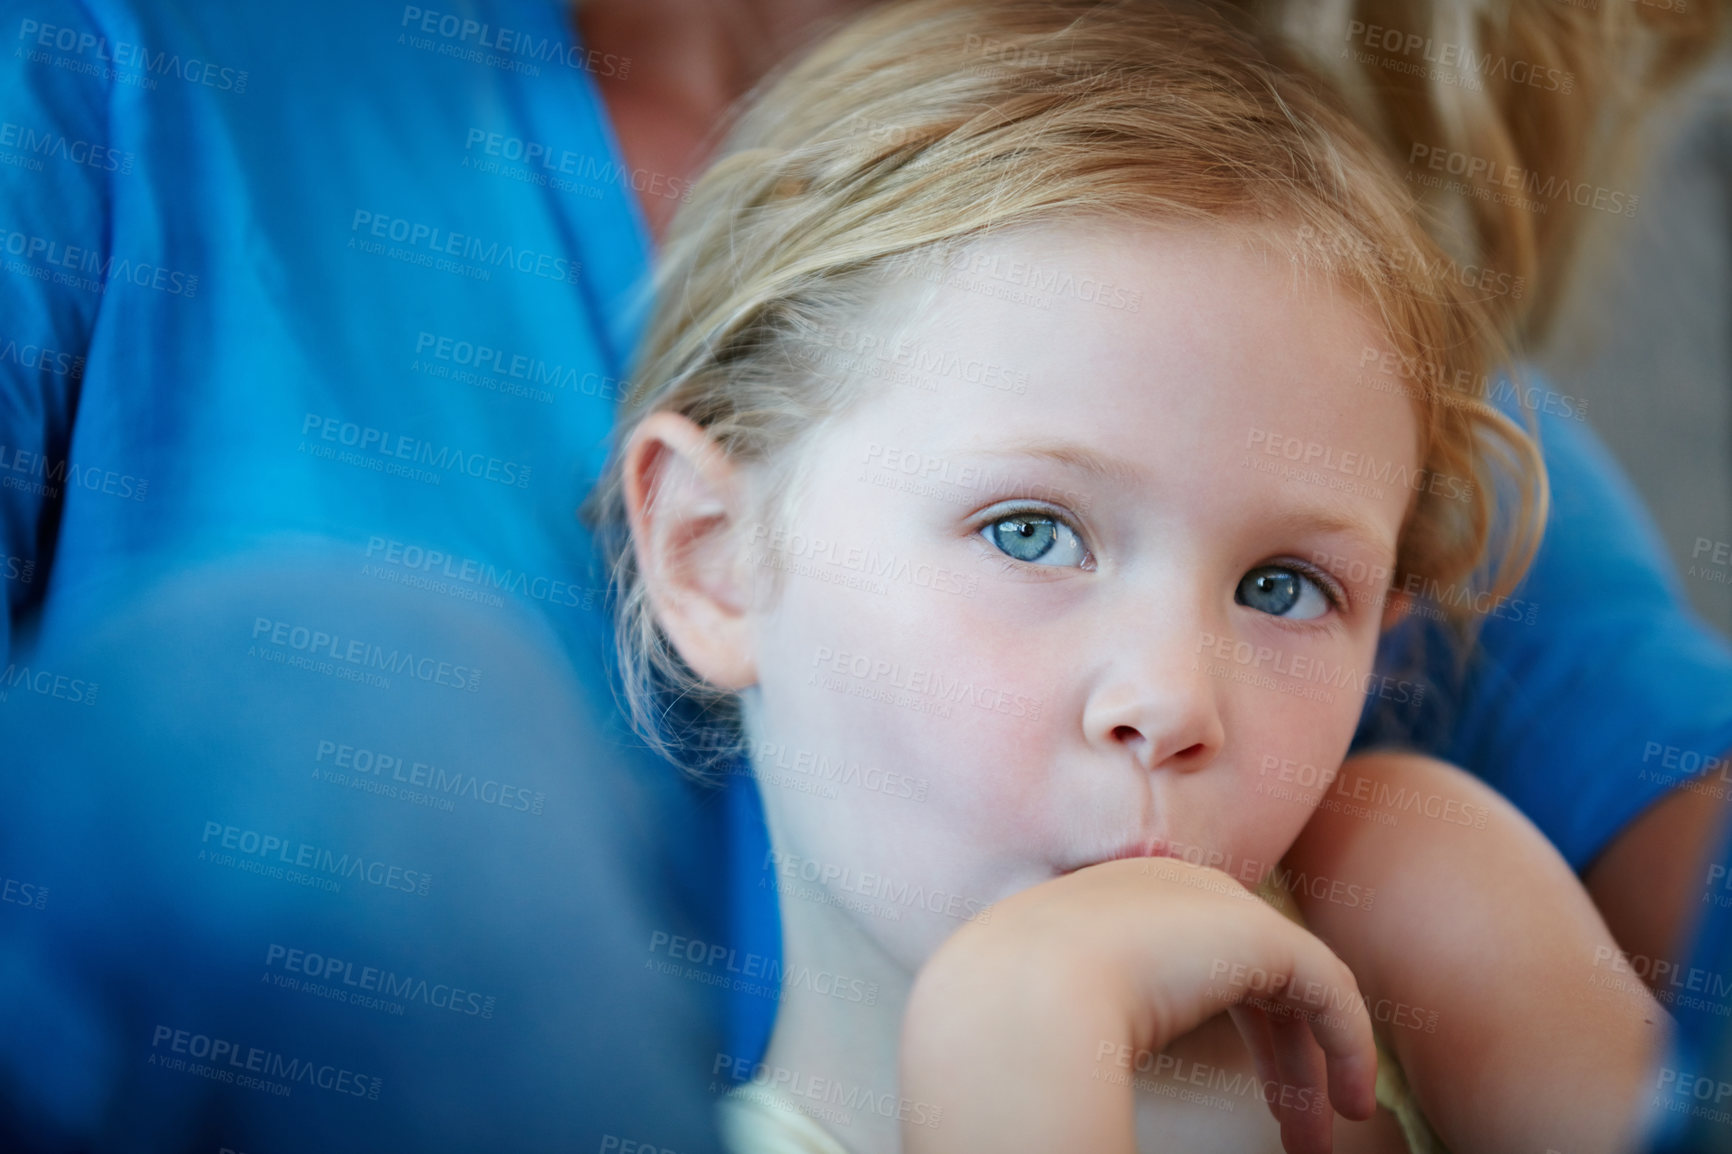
1125, 732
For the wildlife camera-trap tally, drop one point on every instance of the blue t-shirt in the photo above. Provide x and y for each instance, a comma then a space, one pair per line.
318, 826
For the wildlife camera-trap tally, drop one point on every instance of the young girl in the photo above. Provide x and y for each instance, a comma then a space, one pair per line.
1028, 412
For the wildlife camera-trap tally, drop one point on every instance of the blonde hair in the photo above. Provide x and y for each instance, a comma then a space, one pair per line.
931, 124
1544, 93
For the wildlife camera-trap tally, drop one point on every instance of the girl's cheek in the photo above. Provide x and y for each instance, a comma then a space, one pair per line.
1293, 749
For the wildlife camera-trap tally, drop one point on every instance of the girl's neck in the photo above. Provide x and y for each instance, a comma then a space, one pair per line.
839, 1027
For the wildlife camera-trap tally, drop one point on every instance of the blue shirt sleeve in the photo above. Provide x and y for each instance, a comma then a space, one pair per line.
1596, 688
55, 162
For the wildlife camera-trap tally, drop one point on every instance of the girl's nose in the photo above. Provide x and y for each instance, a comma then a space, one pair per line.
1157, 704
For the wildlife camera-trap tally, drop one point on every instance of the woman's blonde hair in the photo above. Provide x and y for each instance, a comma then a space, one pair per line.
1519, 115
931, 124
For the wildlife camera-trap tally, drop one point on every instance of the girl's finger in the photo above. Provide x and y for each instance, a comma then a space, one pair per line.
1326, 996
1279, 1086
1299, 1099
1253, 1027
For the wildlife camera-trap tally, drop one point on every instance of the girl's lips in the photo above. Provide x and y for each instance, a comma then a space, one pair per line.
1155, 848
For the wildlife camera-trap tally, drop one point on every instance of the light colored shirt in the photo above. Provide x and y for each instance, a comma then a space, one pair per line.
762, 1120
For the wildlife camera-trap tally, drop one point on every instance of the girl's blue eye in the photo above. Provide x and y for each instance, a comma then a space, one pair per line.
1036, 539
1282, 592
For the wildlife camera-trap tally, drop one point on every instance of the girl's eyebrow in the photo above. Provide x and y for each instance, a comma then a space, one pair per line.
1316, 519
1071, 455
1336, 522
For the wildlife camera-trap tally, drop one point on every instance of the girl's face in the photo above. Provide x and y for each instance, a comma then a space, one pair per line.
1085, 577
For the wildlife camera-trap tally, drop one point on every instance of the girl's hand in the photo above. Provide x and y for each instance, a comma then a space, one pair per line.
1021, 1029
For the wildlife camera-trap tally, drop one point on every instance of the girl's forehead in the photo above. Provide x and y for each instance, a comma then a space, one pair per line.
1089, 273
1150, 361
1053, 312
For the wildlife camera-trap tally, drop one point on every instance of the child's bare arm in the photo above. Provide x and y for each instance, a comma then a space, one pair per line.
1486, 963
1014, 1024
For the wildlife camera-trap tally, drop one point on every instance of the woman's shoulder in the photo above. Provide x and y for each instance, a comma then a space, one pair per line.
761, 1120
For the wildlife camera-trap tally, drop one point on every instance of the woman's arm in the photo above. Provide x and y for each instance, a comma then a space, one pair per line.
1487, 965
1649, 882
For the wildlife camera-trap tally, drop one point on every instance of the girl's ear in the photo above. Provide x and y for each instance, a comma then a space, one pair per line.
684, 500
